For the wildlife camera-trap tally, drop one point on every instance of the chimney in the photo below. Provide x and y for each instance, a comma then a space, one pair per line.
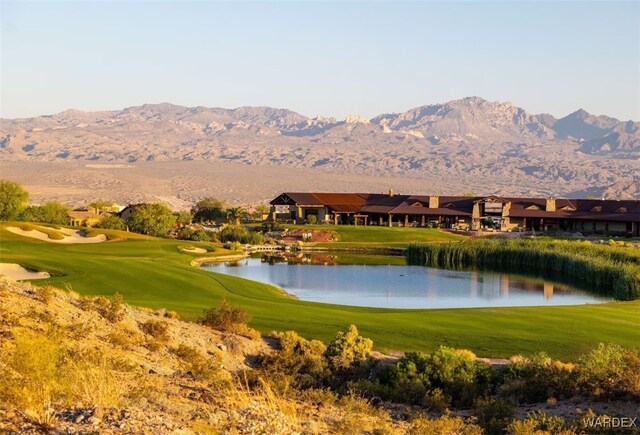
551, 204
390, 192
434, 202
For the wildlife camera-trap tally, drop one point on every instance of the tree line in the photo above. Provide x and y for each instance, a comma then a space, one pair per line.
153, 219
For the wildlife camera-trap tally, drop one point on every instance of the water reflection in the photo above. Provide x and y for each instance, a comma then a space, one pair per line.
319, 279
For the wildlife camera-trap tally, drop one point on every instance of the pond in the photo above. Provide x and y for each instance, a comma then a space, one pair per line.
325, 278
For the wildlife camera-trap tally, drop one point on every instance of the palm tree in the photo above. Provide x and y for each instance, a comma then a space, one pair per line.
235, 214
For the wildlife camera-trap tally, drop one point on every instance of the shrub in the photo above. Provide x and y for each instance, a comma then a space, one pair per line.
121, 339
444, 425
240, 234
198, 235
45, 293
610, 371
91, 375
111, 222
111, 308
202, 369
186, 353
225, 316
458, 374
493, 414
300, 359
157, 329
408, 379
436, 380
30, 378
50, 212
539, 423
348, 349
537, 378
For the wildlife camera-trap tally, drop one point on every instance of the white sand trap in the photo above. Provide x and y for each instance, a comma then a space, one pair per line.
18, 273
194, 250
70, 236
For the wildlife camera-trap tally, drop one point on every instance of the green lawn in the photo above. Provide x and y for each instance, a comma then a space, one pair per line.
350, 236
154, 273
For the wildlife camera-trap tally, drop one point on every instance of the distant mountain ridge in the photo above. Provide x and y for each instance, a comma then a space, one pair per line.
470, 136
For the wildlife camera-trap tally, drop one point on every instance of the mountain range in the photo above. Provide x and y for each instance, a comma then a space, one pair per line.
470, 137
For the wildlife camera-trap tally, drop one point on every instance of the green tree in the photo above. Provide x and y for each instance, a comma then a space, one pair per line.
13, 200
234, 214
208, 209
100, 205
50, 212
184, 217
152, 219
260, 210
348, 349
111, 222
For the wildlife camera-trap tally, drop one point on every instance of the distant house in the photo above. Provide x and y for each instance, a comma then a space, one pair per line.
84, 218
126, 212
611, 217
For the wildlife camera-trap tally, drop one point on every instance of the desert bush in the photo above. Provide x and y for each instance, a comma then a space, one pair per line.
359, 416
224, 316
91, 376
443, 425
301, 361
446, 376
233, 343
30, 377
408, 379
44, 293
171, 315
537, 378
110, 308
458, 374
493, 415
244, 330
348, 349
121, 339
186, 353
539, 423
610, 371
206, 370
157, 329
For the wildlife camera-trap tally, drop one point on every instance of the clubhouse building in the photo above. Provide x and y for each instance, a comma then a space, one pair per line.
589, 216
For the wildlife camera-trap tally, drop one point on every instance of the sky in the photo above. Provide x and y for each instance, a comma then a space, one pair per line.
320, 58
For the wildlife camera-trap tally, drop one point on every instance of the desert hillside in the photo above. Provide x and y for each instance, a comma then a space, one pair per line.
88, 365
472, 143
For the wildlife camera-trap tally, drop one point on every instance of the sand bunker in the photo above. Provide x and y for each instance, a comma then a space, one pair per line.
18, 273
194, 250
70, 236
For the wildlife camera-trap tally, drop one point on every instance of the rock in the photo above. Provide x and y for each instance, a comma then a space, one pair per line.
222, 347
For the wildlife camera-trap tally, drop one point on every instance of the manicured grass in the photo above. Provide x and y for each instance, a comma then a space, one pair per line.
350, 236
154, 273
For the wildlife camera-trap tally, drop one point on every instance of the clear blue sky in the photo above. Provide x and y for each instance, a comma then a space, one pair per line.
320, 58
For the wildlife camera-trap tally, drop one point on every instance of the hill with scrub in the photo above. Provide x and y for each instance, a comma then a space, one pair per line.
74, 364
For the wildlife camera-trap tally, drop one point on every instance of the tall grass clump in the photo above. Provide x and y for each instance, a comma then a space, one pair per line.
609, 270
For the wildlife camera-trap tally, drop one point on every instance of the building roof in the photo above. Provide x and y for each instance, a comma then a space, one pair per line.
418, 205
76, 214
